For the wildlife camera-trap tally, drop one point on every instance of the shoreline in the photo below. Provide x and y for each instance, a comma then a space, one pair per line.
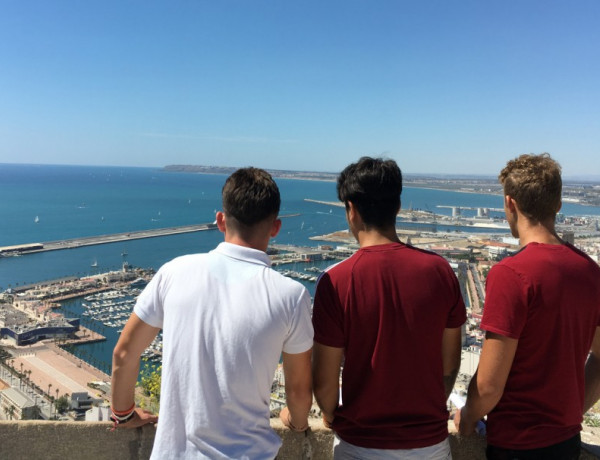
408, 182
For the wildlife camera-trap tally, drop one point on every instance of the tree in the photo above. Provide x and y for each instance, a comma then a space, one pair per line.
62, 404
36, 412
9, 411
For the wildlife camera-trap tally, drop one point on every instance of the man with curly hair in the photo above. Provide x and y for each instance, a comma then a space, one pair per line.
541, 317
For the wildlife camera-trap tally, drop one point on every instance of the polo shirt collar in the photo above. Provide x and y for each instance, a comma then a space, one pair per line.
235, 251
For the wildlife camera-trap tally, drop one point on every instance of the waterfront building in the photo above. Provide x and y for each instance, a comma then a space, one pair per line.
16, 405
25, 334
82, 401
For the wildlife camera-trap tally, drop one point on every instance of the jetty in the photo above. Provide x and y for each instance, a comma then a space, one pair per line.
33, 248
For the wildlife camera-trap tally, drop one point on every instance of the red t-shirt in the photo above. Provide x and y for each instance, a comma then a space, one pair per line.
547, 297
388, 306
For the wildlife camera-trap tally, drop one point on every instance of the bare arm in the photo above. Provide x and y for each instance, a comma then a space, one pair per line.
327, 362
451, 349
487, 385
298, 390
134, 339
592, 374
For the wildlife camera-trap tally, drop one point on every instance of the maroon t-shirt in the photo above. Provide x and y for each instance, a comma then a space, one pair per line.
547, 297
388, 306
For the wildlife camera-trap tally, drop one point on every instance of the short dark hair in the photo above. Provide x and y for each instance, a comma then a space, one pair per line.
534, 182
250, 195
373, 185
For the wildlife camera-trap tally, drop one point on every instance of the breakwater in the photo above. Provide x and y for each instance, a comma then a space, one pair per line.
102, 239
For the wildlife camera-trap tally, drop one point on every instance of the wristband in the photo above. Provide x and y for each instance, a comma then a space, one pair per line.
118, 419
123, 413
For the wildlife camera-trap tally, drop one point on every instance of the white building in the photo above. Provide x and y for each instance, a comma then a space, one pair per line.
98, 413
16, 405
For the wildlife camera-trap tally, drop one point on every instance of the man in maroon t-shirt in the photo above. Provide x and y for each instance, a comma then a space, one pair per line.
393, 314
541, 317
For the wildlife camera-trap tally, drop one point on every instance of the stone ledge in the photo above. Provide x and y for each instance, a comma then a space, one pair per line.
94, 441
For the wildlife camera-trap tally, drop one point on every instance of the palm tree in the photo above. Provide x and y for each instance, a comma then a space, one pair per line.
10, 411
49, 386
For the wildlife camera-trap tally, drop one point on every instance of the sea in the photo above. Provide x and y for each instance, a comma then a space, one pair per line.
42, 203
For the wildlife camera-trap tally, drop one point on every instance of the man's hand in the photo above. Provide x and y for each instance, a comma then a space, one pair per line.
141, 417
285, 418
464, 426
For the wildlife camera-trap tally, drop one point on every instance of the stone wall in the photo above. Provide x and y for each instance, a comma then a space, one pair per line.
94, 441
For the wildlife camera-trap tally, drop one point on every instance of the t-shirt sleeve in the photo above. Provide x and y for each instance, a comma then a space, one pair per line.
327, 314
458, 313
149, 305
300, 337
505, 309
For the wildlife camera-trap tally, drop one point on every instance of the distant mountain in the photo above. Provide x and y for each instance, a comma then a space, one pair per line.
585, 189
279, 173
591, 178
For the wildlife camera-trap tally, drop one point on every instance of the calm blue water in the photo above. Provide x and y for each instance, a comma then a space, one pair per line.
75, 201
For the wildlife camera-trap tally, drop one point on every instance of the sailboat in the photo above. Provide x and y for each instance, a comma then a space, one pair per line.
37, 219
94, 263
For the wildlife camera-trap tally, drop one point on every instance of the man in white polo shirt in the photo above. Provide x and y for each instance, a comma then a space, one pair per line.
226, 317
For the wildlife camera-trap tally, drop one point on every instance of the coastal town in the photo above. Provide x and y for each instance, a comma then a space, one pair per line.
41, 376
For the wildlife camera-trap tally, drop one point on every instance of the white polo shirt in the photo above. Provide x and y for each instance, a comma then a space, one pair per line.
226, 317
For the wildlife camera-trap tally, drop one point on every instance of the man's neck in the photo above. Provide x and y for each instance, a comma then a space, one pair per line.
376, 237
537, 233
260, 243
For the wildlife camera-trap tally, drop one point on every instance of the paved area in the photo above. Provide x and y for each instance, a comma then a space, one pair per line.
50, 365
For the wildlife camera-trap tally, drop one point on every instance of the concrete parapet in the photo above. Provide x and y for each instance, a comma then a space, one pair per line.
34, 440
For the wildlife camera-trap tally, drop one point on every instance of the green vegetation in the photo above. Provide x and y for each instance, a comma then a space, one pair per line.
4, 355
591, 420
150, 384
62, 404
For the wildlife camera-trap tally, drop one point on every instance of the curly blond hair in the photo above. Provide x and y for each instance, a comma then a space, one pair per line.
534, 182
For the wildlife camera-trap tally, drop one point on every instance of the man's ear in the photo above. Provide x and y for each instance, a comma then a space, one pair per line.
350, 211
276, 227
221, 221
510, 203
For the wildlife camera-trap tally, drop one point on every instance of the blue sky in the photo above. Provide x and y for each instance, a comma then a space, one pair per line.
440, 86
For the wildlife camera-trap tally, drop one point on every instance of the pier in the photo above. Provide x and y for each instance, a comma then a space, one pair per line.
32, 248
102, 239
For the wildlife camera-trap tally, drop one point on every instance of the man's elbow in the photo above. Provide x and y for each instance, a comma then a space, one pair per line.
490, 390
122, 357
299, 390
299, 395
